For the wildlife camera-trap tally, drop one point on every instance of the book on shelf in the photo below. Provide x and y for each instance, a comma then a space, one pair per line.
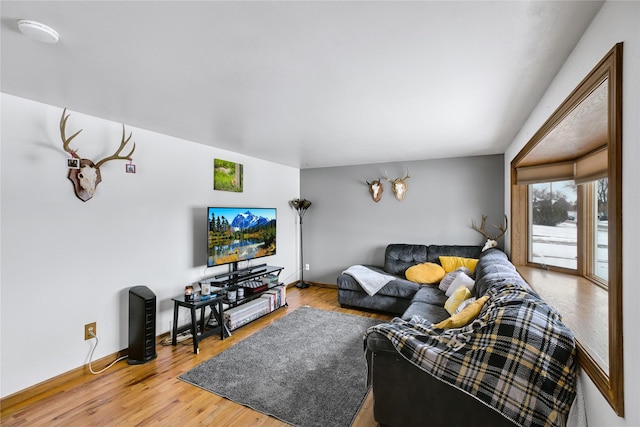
269, 298
278, 295
245, 313
268, 301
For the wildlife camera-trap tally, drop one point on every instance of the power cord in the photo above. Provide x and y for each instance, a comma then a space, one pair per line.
180, 338
91, 357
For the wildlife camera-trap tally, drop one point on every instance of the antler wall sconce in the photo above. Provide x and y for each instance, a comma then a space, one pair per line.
85, 174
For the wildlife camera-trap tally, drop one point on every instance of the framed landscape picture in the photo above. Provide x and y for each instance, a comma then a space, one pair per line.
227, 176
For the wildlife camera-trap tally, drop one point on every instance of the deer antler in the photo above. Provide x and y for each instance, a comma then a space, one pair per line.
386, 176
406, 177
65, 140
482, 231
504, 230
116, 155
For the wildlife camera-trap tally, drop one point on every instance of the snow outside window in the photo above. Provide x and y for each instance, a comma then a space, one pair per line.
553, 232
600, 250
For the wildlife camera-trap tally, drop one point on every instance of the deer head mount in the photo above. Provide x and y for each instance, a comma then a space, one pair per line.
398, 185
87, 177
375, 189
492, 242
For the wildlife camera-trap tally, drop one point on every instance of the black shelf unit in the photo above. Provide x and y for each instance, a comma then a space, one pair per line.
233, 279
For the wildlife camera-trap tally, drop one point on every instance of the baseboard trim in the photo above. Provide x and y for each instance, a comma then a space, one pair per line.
324, 285
318, 284
43, 389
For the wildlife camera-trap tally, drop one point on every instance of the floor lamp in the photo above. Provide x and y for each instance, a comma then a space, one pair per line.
301, 205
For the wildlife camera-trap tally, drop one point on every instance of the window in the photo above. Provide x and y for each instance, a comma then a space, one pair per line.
574, 163
554, 221
553, 234
599, 270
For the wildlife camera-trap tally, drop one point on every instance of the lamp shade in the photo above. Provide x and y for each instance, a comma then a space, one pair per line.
301, 205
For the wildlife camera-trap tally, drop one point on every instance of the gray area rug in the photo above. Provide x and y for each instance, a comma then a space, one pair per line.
306, 369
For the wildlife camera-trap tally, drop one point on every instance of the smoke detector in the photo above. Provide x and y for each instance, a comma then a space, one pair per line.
37, 31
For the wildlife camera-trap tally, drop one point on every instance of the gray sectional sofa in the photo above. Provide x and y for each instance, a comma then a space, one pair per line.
514, 364
401, 296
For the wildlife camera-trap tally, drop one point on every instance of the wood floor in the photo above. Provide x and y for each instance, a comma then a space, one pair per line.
151, 394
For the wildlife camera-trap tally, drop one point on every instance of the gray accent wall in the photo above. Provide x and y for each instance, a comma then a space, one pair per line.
344, 226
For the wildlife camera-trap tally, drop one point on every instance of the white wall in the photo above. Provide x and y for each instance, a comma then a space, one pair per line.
66, 263
616, 22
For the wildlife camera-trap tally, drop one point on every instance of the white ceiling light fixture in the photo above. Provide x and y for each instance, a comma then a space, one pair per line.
37, 31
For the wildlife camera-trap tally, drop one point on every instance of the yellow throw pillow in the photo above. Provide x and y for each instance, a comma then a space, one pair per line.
427, 272
465, 316
459, 295
450, 263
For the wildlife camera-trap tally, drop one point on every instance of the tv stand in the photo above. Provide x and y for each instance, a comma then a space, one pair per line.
260, 296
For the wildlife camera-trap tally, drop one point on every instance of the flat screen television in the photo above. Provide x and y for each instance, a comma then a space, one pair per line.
240, 234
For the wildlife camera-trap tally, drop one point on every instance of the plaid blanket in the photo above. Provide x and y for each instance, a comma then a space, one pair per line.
517, 356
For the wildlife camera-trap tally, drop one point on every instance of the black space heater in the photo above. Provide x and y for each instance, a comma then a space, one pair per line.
142, 325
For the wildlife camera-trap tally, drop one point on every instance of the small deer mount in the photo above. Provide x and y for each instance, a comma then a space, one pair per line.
375, 189
492, 242
87, 176
398, 185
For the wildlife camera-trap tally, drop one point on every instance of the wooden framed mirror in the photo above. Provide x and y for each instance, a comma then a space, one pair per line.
579, 148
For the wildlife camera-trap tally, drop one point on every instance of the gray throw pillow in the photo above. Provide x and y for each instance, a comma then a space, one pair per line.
448, 279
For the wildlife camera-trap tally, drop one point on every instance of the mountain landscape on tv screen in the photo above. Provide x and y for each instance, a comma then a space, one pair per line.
248, 220
247, 236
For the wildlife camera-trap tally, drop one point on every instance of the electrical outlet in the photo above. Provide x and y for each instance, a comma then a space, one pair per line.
90, 327
306, 267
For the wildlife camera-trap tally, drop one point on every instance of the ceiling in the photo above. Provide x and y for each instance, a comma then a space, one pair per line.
301, 83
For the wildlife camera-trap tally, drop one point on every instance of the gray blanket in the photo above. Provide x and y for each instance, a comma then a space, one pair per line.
371, 281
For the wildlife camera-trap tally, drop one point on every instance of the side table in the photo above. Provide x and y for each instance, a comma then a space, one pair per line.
215, 303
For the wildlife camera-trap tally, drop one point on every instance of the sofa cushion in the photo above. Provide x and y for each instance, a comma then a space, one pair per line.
427, 272
430, 312
399, 256
430, 295
360, 299
399, 288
